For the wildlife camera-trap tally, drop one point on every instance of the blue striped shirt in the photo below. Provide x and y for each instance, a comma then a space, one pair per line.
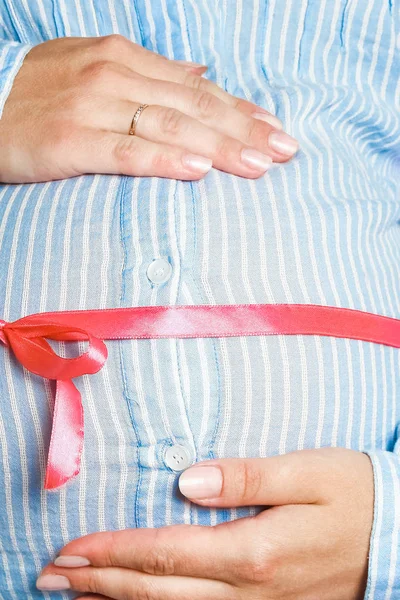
323, 228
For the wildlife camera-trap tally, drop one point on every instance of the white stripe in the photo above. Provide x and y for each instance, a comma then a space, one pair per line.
150, 19
363, 400
184, 30
6, 30
81, 21
8, 490
113, 16
283, 41
352, 6
205, 377
111, 400
361, 44
65, 20
350, 399
394, 549
149, 502
7, 573
384, 388
90, 402
304, 395
15, 407
336, 393
263, 447
299, 35
167, 32
377, 44
27, 374
374, 554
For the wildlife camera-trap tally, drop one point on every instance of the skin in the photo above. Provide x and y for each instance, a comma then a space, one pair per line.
310, 543
73, 100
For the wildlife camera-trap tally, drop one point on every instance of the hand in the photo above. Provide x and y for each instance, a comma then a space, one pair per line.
311, 545
73, 100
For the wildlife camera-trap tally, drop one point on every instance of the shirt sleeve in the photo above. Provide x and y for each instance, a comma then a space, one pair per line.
12, 55
384, 556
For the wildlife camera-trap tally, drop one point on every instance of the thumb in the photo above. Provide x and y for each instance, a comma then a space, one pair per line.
300, 477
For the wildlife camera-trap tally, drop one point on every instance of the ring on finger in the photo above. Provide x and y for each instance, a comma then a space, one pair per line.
136, 118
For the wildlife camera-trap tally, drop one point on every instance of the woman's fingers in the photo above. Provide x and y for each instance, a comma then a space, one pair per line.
72, 87
209, 110
117, 48
104, 152
168, 126
245, 106
112, 153
124, 584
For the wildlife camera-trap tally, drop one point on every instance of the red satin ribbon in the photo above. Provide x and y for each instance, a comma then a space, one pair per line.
26, 337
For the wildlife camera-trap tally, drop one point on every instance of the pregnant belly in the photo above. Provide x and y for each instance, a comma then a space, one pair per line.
89, 244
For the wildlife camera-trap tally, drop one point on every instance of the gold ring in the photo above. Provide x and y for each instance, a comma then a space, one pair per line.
136, 118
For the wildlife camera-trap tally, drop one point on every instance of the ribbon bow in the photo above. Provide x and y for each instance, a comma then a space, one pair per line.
27, 340
26, 337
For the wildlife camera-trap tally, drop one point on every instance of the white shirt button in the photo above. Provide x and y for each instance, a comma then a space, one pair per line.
178, 458
159, 271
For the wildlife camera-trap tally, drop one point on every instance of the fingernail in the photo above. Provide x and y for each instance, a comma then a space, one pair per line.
271, 119
197, 163
256, 159
283, 143
196, 70
187, 63
52, 583
201, 482
71, 561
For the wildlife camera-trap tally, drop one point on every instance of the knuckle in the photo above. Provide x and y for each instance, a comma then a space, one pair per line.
94, 582
146, 591
171, 122
195, 82
260, 568
254, 133
250, 481
124, 153
112, 44
72, 104
239, 103
111, 549
97, 71
164, 163
225, 148
205, 104
159, 562
59, 136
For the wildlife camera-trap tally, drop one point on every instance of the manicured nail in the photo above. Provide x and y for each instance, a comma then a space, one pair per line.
201, 482
256, 159
271, 119
71, 561
196, 70
52, 583
187, 63
283, 143
197, 163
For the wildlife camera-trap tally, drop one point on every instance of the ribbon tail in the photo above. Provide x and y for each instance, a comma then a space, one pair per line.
66, 442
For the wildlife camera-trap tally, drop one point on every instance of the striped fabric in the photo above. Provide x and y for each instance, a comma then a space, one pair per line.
322, 229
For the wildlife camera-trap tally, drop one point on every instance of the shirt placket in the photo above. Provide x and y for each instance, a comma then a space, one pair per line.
153, 387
